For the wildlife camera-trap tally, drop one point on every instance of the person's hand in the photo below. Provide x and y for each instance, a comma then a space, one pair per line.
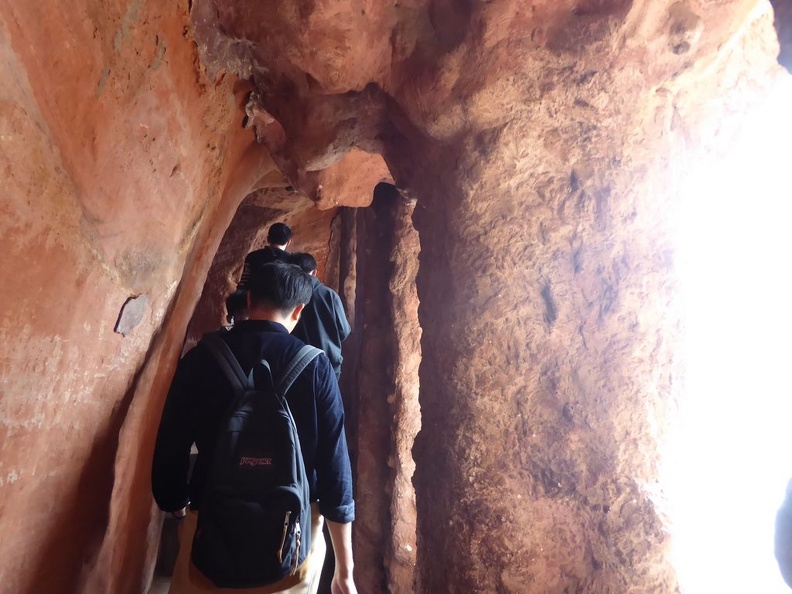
343, 585
180, 514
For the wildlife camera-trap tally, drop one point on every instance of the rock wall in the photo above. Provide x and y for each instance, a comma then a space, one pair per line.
368, 400
550, 368
401, 552
541, 144
115, 154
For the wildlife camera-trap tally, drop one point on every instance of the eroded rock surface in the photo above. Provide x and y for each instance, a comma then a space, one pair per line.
111, 148
541, 143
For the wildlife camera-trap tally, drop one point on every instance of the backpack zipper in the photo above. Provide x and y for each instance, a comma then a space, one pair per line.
298, 534
283, 536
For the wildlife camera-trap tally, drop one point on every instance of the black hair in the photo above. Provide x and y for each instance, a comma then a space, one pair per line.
279, 234
279, 285
236, 303
304, 260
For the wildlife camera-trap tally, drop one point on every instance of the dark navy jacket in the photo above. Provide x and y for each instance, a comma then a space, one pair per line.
323, 323
198, 403
255, 259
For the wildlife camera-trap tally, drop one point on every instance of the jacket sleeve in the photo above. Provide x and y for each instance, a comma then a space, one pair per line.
334, 472
341, 320
171, 462
244, 278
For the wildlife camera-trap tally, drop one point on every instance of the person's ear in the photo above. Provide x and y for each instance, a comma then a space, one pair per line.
295, 314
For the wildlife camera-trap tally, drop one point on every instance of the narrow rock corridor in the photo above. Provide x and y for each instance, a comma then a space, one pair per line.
493, 188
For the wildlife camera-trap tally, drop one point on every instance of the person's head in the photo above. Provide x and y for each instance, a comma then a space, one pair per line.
279, 235
278, 292
236, 307
305, 261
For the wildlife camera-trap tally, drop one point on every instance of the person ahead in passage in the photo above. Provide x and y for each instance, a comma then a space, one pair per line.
323, 323
199, 398
279, 237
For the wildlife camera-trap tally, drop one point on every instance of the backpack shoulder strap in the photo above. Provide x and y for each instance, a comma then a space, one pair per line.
227, 361
296, 366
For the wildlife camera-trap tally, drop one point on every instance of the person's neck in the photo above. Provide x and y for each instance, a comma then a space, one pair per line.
270, 315
266, 316
280, 247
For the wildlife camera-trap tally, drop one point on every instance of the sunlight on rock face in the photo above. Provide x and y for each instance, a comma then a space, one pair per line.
733, 447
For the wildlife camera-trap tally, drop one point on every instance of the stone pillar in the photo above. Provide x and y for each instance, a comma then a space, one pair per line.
374, 383
547, 366
380, 380
405, 410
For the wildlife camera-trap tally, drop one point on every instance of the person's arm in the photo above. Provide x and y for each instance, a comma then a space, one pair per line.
341, 320
244, 278
333, 469
171, 461
334, 475
341, 537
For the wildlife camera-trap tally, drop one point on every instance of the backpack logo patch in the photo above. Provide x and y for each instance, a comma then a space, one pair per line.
252, 461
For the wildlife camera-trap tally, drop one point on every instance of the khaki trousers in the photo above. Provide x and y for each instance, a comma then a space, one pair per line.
188, 580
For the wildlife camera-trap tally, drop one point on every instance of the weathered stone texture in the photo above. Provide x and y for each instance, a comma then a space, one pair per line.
373, 383
405, 409
542, 143
115, 156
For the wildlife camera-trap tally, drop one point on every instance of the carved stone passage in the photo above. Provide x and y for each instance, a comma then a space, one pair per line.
248, 231
541, 144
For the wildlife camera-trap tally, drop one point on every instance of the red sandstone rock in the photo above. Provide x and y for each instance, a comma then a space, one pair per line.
541, 143
351, 181
383, 353
525, 135
111, 148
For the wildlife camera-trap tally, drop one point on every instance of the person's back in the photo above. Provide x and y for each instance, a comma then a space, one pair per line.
198, 402
278, 238
323, 323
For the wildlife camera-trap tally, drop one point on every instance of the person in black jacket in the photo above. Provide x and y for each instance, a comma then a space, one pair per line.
279, 237
323, 323
198, 401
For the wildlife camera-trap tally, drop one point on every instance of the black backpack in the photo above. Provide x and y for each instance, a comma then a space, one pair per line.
254, 525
